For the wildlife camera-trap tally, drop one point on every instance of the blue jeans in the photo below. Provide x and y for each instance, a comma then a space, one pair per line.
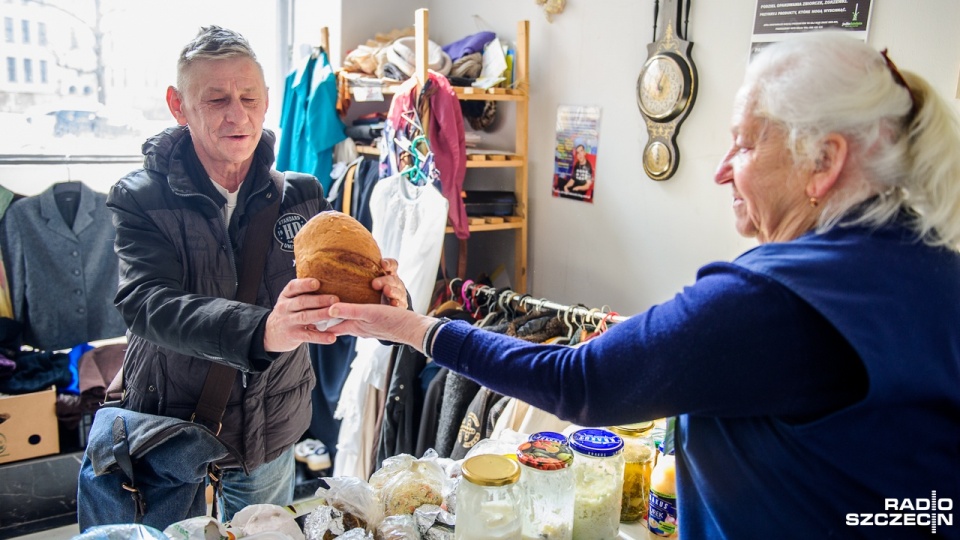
271, 483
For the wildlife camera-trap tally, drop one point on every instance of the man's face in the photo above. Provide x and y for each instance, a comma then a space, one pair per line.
224, 104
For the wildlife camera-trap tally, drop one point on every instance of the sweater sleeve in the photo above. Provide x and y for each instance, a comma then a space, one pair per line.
732, 344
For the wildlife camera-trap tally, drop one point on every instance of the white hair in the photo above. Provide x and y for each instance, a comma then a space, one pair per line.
903, 137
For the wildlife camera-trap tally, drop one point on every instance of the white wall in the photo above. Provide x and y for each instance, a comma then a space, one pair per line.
641, 241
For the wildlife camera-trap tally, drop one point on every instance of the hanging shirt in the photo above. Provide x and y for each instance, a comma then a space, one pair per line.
446, 140
309, 121
408, 224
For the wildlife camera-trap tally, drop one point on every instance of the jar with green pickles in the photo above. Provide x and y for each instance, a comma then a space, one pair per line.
638, 455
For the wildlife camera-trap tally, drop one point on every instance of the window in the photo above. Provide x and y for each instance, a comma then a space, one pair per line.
98, 105
25, 30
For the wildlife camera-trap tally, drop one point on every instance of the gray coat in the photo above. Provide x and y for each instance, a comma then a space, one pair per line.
62, 279
178, 278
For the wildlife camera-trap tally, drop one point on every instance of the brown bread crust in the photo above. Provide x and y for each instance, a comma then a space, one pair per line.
340, 252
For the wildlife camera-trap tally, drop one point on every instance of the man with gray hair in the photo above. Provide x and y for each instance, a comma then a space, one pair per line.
182, 222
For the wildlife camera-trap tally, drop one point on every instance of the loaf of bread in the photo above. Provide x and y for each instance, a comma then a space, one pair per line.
340, 252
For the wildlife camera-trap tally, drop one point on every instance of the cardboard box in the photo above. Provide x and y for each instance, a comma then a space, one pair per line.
28, 425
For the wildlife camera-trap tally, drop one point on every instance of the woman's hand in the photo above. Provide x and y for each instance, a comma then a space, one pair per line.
390, 285
381, 322
294, 317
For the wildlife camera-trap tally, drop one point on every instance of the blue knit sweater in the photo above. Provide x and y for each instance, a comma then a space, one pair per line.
814, 379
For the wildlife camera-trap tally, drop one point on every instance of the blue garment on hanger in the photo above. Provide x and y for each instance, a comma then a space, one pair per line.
309, 123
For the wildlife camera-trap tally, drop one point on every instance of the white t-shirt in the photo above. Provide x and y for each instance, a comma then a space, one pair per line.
231, 200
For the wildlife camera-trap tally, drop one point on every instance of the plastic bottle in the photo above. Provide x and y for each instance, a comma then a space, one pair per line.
662, 516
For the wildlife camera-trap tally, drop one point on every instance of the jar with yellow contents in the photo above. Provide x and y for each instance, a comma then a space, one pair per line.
638, 455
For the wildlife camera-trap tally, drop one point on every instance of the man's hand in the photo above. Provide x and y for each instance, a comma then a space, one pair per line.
293, 319
390, 285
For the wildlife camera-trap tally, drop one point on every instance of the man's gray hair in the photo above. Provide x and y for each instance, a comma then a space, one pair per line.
211, 43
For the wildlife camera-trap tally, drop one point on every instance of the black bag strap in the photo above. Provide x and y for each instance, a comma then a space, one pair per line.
220, 377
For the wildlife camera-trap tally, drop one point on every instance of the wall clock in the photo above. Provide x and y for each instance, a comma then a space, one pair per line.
666, 90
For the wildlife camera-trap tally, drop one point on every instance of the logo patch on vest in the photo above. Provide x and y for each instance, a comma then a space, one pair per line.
286, 228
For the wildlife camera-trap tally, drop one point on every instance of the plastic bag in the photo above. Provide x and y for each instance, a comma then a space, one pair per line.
261, 518
404, 483
121, 532
327, 522
197, 528
398, 528
355, 497
435, 523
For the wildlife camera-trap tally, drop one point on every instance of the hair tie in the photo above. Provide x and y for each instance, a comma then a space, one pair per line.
898, 78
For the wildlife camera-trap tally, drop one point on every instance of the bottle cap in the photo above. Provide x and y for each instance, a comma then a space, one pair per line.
548, 435
490, 470
633, 430
596, 442
545, 454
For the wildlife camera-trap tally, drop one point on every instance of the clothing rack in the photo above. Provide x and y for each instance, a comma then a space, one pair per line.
469, 287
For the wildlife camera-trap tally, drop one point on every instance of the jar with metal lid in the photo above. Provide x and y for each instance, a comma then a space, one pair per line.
598, 478
488, 499
546, 488
638, 454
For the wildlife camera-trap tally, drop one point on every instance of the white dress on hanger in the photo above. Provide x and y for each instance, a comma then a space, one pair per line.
408, 225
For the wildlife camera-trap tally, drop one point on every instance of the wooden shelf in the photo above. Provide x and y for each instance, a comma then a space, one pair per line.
368, 150
468, 93
516, 160
493, 223
474, 161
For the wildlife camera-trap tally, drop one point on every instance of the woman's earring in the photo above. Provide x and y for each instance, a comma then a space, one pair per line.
814, 202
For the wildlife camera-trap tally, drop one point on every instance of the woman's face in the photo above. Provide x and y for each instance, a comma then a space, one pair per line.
769, 198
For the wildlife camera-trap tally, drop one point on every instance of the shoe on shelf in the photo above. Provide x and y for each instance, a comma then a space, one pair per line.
313, 453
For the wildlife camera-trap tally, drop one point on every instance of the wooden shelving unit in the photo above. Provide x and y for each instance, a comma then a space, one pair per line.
478, 159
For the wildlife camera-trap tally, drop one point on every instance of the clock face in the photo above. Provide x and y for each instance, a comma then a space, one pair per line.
661, 88
656, 160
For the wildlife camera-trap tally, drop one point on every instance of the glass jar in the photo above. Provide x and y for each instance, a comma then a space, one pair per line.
546, 488
638, 454
662, 520
598, 474
488, 499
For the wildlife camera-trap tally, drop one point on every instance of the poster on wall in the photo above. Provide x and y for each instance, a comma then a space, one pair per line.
575, 161
777, 21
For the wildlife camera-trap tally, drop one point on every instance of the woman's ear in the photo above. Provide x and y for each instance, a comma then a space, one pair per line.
828, 166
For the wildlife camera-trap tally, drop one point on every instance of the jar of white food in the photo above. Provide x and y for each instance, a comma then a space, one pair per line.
598, 476
488, 499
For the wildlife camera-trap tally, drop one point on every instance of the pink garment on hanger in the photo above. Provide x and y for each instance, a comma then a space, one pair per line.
446, 139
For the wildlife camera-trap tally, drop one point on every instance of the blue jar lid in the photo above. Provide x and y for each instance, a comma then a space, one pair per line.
596, 442
549, 436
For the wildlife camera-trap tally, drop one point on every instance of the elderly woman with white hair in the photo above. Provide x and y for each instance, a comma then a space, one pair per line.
815, 377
